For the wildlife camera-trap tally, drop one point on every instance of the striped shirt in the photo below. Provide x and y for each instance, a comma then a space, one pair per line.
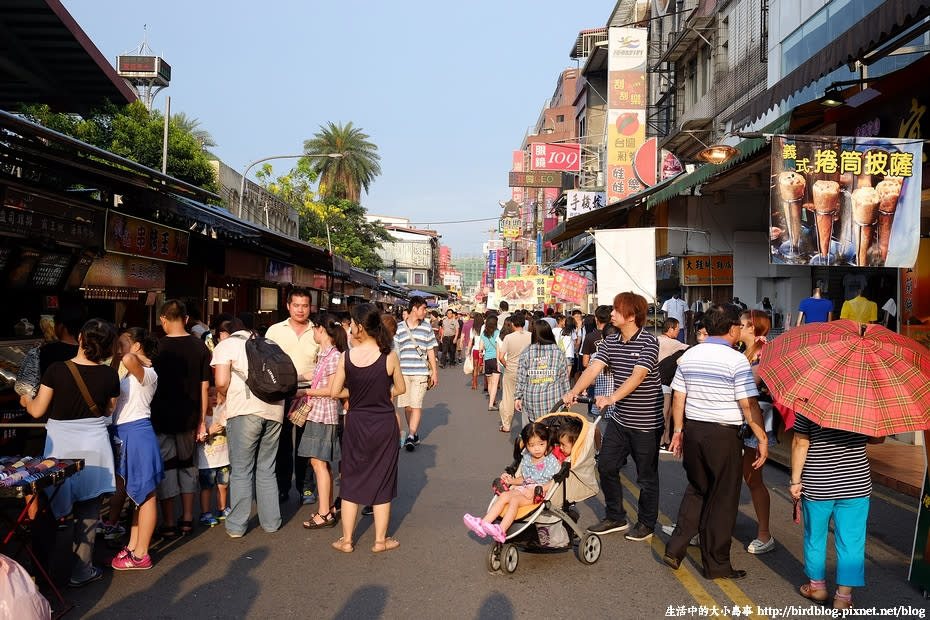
641, 409
406, 342
837, 466
715, 377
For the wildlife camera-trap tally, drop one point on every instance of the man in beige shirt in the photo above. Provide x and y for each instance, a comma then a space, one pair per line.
295, 337
508, 359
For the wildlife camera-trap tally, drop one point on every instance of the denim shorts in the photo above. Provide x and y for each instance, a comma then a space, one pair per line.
209, 478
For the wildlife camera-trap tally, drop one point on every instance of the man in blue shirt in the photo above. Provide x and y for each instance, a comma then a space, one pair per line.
815, 309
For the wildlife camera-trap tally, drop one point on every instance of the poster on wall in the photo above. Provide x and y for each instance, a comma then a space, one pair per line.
845, 201
626, 113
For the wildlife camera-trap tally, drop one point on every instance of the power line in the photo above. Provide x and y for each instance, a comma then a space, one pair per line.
484, 219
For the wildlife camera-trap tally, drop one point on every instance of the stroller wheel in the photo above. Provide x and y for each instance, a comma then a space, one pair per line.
589, 549
510, 557
494, 557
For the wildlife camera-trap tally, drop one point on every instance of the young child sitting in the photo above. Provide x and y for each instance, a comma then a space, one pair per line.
538, 466
213, 464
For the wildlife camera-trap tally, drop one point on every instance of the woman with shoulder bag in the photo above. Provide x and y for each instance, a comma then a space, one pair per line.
320, 441
77, 395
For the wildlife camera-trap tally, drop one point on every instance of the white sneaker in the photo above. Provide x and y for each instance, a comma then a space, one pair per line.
758, 547
695, 540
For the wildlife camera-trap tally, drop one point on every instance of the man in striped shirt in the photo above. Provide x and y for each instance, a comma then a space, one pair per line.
415, 343
712, 393
634, 415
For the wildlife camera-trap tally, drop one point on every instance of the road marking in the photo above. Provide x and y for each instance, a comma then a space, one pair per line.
896, 502
685, 574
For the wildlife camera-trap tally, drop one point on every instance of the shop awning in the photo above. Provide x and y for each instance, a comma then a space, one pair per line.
599, 217
363, 277
868, 34
581, 257
747, 150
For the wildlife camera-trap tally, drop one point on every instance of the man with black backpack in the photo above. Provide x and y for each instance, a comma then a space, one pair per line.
295, 337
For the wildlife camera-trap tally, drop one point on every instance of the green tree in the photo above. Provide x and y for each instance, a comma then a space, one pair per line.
359, 165
350, 234
135, 133
192, 126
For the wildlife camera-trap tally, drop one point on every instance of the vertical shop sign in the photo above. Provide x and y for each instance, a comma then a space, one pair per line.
550, 219
626, 113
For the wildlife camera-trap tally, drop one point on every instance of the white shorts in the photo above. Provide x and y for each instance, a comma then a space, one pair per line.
416, 390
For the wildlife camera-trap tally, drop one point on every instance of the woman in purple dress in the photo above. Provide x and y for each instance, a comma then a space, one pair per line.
369, 376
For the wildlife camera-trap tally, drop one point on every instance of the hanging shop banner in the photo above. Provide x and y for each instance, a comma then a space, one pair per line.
130, 235
502, 256
550, 217
126, 272
625, 262
569, 286
529, 290
491, 272
519, 269
626, 113
704, 270
578, 203
914, 315
565, 157
511, 222
517, 194
845, 201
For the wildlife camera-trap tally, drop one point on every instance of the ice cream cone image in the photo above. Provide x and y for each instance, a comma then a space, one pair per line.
889, 191
791, 186
826, 205
865, 208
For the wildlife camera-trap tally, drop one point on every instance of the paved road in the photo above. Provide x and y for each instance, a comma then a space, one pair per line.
440, 569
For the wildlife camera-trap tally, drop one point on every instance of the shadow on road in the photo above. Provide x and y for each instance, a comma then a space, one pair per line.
496, 607
367, 602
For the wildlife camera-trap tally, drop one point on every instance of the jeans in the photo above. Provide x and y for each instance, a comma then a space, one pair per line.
86, 514
448, 350
849, 524
253, 447
619, 443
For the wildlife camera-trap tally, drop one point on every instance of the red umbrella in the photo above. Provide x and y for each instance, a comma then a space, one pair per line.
846, 375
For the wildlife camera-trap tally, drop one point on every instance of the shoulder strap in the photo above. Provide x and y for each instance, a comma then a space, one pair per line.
414, 342
94, 409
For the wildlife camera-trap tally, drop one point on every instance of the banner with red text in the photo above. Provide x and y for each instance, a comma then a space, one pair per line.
569, 286
565, 157
626, 108
845, 201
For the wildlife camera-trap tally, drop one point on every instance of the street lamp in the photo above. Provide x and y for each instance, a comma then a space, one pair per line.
258, 161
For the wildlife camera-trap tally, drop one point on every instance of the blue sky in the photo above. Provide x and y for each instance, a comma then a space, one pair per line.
445, 90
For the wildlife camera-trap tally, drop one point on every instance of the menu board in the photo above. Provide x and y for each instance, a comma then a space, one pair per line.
19, 275
50, 270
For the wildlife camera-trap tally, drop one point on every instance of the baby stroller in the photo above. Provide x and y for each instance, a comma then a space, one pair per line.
553, 524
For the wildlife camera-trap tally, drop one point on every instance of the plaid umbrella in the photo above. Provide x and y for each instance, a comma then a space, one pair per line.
846, 375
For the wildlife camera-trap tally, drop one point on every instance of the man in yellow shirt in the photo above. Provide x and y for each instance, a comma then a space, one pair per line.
860, 309
295, 337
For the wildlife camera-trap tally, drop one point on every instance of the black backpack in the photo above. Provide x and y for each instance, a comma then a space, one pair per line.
272, 376
669, 366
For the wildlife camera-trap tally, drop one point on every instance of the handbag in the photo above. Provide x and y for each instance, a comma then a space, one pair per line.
469, 366
299, 412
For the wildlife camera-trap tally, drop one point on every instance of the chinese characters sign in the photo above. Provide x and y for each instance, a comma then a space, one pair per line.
126, 272
130, 235
582, 202
845, 201
517, 193
541, 179
569, 286
626, 113
914, 315
523, 290
704, 270
555, 157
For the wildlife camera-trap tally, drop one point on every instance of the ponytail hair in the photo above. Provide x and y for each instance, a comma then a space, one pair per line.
368, 316
334, 329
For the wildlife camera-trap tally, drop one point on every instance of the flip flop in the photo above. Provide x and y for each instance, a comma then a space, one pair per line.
388, 544
343, 545
502, 429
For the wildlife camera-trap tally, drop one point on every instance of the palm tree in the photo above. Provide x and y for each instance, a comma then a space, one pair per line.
345, 177
192, 126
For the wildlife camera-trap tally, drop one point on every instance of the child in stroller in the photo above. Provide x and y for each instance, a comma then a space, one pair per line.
539, 460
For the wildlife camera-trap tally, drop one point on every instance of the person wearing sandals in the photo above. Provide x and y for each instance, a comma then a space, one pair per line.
831, 477
76, 395
253, 428
369, 376
320, 440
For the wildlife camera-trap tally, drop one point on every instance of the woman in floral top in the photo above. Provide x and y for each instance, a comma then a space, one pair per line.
542, 374
320, 441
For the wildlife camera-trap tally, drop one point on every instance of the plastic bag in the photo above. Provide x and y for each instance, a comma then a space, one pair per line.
553, 536
19, 597
469, 366
27, 379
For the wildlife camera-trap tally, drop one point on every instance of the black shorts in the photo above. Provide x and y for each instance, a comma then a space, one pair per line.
490, 367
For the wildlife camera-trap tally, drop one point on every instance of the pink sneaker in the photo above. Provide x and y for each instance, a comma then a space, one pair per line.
494, 531
474, 524
129, 562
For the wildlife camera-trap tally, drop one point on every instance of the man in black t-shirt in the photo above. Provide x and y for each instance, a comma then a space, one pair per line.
179, 410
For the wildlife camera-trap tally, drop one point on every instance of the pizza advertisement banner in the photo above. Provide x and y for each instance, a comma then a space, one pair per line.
524, 290
569, 286
845, 201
